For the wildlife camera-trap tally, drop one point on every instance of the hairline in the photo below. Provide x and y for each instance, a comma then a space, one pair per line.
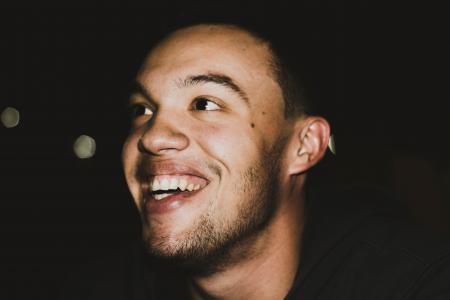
276, 67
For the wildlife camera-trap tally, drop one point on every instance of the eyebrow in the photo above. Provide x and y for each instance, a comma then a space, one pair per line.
137, 88
219, 79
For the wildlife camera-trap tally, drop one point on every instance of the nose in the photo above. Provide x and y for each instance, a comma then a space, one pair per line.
162, 136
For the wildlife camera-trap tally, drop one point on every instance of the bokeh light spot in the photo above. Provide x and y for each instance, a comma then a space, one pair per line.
10, 117
332, 145
84, 147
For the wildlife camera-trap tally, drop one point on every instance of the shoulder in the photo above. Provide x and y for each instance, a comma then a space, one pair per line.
358, 245
404, 255
387, 232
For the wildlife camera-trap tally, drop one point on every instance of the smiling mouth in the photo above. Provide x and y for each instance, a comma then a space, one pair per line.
165, 186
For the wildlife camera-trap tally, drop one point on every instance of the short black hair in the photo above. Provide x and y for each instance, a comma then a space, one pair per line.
288, 52
305, 44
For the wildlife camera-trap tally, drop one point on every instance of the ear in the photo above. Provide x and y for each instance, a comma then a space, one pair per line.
309, 143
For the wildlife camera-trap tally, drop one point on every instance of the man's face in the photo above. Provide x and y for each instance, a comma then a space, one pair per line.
202, 159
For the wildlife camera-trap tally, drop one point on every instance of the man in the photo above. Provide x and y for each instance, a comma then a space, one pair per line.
216, 164
217, 160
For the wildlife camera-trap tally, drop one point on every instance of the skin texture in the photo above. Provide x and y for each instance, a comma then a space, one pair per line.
244, 227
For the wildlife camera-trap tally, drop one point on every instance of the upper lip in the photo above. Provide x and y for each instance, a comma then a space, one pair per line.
146, 171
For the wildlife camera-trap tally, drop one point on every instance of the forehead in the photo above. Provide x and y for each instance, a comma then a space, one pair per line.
208, 42
202, 49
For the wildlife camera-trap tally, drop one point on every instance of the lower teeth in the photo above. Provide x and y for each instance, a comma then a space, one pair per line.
164, 195
160, 196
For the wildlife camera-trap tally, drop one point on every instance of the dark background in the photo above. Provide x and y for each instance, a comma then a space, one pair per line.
381, 80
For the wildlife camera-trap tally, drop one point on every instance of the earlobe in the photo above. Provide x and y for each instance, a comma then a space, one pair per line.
312, 138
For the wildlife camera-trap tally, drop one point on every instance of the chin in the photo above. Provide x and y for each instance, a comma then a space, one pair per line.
166, 238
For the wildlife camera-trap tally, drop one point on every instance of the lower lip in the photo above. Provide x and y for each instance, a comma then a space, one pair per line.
169, 203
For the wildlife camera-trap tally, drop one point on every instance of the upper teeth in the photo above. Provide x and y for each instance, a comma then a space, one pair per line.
172, 183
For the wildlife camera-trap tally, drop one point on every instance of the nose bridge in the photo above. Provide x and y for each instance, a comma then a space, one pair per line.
163, 134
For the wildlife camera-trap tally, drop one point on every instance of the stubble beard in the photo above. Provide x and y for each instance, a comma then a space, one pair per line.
210, 246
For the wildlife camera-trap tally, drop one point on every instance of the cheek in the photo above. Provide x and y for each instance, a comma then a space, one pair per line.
232, 146
236, 150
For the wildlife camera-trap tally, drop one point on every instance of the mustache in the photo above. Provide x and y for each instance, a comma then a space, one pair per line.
148, 167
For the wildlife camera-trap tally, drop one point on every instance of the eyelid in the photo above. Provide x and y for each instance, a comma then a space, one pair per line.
139, 98
141, 102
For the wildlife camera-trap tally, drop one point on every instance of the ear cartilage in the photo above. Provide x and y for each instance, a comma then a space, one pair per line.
331, 145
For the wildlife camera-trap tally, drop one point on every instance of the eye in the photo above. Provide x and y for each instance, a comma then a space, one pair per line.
202, 103
137, 110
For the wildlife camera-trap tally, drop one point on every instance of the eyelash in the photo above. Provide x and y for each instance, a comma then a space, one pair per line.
138, 109
198, 99
134, 110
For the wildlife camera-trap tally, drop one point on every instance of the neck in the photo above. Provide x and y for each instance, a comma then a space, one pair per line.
275, 253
